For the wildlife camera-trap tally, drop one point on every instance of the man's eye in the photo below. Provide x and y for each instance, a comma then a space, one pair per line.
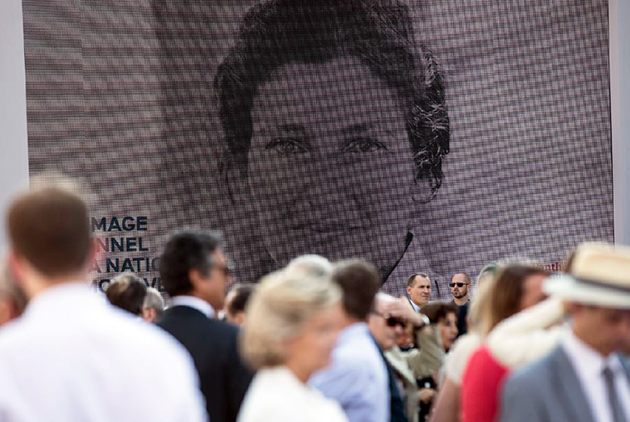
287, 146
362, 145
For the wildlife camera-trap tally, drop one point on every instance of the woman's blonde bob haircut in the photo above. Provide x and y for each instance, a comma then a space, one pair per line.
278, 311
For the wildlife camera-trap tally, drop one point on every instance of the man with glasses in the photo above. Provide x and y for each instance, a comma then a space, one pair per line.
196, 275
387, 322
461, 298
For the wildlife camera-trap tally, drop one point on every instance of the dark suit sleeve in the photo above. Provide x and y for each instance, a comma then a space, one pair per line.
238, 378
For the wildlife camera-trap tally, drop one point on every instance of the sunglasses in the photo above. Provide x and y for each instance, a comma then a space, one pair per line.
457, 284
391, 321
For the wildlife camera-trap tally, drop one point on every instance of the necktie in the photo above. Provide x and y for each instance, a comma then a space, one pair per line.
613, 399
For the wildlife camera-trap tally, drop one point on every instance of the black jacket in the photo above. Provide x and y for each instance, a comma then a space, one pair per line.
213, 347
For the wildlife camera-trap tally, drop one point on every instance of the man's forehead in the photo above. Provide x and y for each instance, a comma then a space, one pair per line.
459, 277
422, 281
217, 256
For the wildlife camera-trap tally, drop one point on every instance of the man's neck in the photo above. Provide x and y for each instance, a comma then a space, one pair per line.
587, 342
35, 287
461, 301
347, 321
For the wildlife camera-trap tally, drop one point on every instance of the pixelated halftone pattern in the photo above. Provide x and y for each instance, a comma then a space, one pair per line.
308, 130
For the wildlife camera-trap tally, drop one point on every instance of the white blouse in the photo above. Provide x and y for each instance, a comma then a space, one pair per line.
277, 395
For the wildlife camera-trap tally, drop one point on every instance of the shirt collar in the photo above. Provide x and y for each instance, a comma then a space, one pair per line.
355, 330
195, 303
71, 295
413, 305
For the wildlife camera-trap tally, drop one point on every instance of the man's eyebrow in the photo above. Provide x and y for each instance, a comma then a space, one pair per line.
290, 127
358, 128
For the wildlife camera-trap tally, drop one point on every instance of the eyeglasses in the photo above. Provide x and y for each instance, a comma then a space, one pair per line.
392, 321
458, 284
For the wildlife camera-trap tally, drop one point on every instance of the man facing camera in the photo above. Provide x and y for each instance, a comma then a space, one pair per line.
70, 356
460, 289
195, 274
419, 290
585, 379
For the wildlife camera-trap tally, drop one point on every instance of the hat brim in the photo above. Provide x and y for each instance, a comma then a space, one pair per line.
571, 289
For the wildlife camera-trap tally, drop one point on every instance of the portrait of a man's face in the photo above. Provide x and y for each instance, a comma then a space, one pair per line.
424, 136
336, 125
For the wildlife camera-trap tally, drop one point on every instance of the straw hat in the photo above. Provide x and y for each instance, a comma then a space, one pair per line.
600, 275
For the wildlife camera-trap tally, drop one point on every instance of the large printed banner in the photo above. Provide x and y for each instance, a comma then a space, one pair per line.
424, 136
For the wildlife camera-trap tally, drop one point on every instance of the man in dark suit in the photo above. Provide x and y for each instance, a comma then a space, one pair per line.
586, 378
195, 274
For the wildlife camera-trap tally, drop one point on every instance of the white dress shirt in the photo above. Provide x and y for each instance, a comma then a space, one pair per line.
276, 395
195, 303
589, 364
415, 307
74, 358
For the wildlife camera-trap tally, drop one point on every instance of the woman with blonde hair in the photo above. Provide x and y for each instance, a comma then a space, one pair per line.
291, 330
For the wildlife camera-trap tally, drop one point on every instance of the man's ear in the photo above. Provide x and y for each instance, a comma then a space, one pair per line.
240, 318
149, 314
196, 277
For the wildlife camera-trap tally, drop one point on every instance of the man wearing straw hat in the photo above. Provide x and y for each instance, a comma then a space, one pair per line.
586, 378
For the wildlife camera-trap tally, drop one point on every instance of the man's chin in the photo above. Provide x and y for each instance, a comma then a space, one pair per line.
336, 246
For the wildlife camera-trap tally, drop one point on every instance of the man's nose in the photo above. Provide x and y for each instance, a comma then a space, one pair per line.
329, 185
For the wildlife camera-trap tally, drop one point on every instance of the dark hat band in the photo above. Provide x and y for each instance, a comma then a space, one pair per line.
600, 284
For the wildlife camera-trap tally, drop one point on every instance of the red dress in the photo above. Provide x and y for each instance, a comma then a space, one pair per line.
481, 387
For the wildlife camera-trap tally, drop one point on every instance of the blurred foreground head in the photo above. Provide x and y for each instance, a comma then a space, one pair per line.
597, 292
49, 235
292, 320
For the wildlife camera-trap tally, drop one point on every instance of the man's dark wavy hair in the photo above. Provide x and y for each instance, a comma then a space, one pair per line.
378, 32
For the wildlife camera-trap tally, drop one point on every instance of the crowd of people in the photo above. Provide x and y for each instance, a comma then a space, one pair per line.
313, 341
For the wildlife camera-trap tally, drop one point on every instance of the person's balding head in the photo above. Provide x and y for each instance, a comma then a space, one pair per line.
128, 292
385, 329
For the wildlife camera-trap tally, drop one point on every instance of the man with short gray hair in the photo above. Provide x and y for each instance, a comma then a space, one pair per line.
153, 307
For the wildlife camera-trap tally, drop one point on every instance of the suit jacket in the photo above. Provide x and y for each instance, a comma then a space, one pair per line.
547, 390
416, 363
213, 346
396, 404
